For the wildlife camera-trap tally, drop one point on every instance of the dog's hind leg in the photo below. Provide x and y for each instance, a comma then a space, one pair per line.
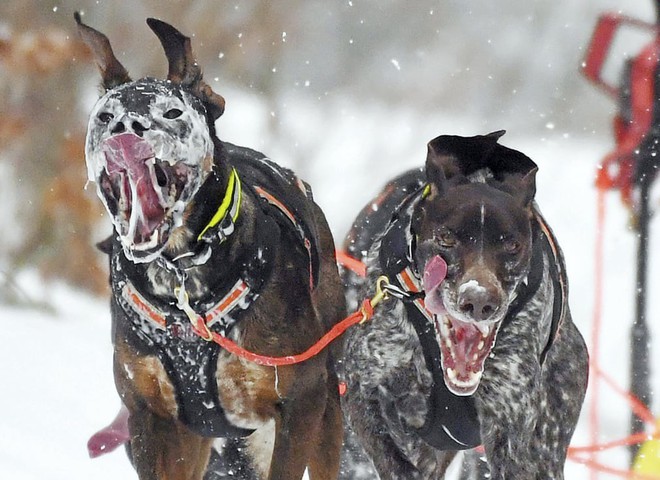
230, 461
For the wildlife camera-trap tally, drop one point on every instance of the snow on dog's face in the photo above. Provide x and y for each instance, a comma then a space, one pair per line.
148, 149
474, 245
149, 144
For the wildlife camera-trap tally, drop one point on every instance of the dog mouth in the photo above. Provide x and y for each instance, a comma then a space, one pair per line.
464, 345
464, 348
142, 193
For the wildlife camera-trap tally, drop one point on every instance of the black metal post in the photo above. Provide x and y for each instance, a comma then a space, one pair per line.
640, 339
648, 161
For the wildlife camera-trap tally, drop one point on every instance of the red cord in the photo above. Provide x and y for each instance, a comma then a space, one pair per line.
351, 263
365, 313
629, 440
636, 405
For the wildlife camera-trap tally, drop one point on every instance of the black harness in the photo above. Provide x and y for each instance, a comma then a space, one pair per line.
452, 421
159, 327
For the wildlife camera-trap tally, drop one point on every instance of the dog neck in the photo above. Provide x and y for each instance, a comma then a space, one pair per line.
215, 246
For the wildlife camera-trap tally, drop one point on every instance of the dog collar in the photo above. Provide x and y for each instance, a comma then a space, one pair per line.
227, 213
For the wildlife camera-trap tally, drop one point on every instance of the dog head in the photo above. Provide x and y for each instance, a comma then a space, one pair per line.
149, 142
474, 243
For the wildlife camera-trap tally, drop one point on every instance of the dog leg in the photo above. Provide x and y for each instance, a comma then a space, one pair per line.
527, 427
388, 459
161, 447
508, 409
325, 460
298, 424
164, 449
564, 387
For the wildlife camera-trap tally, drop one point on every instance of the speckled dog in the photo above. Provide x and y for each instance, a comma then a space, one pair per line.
480, 348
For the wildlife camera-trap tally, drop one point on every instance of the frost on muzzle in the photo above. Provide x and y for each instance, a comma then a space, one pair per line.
148, 149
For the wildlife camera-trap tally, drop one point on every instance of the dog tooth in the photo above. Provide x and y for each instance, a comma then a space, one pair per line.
483, 329
451, 374
481, 345
475, 357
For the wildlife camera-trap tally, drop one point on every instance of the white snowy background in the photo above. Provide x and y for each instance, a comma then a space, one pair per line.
56, 384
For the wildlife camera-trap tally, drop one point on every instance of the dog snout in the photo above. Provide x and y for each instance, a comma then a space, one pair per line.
478, 302
137, 126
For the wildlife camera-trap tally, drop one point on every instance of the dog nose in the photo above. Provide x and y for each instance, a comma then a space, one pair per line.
136, 126
478, 303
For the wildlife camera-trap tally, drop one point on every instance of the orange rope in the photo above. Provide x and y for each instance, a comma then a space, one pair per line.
351, 263
362, 315
598, 374
629, 440
636, 405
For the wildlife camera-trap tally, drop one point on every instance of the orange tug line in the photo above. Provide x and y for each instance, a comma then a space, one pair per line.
362, 315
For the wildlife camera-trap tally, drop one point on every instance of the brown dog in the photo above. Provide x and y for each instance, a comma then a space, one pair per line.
212, 233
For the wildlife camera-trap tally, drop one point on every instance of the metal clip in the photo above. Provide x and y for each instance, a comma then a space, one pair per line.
381, 294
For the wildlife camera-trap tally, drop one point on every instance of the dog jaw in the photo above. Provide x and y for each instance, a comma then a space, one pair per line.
149, 150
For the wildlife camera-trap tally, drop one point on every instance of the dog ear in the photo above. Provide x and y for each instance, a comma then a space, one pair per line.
454, 157
183, 69
113, 73
523, 186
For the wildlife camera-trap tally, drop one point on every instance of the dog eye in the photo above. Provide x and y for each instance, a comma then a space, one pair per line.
105, 117
172, 113
511, 246
446, 239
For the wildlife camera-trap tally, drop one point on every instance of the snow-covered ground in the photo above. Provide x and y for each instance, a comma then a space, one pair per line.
56, 376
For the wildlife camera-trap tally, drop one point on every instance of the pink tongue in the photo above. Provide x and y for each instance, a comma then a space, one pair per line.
110, 437
128, 153
434, 273
467, 338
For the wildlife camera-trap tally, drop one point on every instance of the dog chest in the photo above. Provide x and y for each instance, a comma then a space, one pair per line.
247, 391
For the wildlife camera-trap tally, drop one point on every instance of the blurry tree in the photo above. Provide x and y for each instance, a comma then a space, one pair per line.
41, 141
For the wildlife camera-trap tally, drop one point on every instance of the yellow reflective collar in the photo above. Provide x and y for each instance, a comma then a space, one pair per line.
229, 207
427, 191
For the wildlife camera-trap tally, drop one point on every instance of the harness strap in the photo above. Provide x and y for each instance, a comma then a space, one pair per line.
220, 314
560, 285
287, 199
452, 422
272, 200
